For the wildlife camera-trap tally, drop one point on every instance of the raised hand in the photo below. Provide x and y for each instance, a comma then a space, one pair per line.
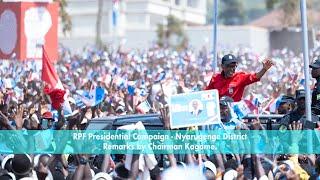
256, 125
4, 121
295, 125
164, 111
19, 117
267, 64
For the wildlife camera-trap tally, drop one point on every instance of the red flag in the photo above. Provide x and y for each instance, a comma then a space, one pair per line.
49, 74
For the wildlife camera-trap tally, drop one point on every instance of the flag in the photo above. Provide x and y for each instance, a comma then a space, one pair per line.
92, 98
115, 12
258, 99
49, 74
52, 80
98, 95
160, 76
67, 110
243, 108
79, 102
274, 104
131, 87
143, 107
121, 82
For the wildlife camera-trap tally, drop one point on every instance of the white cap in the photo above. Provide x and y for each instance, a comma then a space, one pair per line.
179, 173
4, 161
27, 178
211, 166
102, 175
231, 174
13, 177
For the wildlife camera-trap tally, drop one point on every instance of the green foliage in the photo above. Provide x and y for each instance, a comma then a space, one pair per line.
65, 17
172, 34
209, 11
291, 12
270, 4
291, 9
232, 12
161, 35
174, 26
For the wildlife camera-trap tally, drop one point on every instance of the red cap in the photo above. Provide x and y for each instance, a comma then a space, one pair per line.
47, 115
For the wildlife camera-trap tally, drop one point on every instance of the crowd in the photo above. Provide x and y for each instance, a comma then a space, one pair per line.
141, 81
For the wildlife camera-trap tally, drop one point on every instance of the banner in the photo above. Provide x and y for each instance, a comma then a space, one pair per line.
194, 109
27, 26
159, 142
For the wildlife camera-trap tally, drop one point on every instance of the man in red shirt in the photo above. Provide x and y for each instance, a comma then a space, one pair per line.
231, 83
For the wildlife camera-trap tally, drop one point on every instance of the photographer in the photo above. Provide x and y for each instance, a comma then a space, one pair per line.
315, 72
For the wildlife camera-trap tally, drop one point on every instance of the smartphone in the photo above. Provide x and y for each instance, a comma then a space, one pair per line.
44, 124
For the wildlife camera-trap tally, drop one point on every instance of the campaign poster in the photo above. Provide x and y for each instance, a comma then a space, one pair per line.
194, 109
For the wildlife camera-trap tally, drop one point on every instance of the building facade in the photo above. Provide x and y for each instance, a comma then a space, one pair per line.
120, 16
136, 23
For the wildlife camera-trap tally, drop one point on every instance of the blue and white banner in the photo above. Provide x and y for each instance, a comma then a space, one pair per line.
115, 12
92, 98
194, 109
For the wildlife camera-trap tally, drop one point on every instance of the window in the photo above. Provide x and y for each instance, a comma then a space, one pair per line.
193, 3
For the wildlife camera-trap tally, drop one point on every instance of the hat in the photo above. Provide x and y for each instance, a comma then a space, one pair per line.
228, 59
190, 172
231, 174
211, 166
181, 164
27, 178
286, 99
9, 176
5, 160
21, 164
300, 93
47, 115
315, 64
102, 175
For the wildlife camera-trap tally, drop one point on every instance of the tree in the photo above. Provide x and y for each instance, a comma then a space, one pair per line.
270, 4
291, 11
232, 12
172, 34
161, 35
65, 17
209, 11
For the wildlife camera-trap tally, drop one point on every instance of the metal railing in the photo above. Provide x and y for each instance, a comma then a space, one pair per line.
269, 121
